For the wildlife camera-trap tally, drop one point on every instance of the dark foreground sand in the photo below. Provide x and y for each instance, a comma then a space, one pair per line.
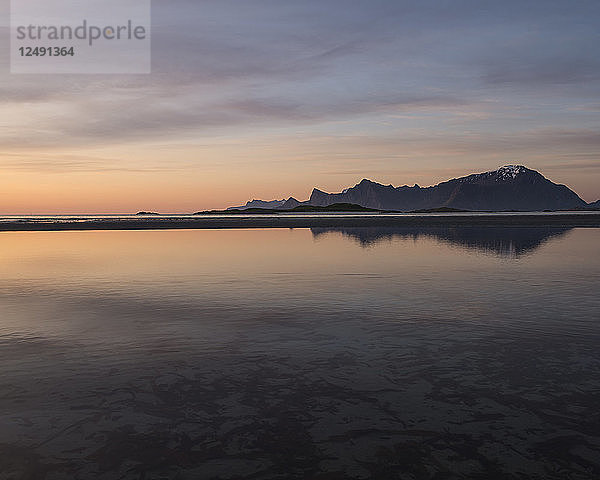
304, 221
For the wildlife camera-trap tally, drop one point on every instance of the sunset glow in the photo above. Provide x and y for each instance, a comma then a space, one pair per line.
272, 100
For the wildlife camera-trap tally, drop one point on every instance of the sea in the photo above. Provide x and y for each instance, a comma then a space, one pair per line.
323, 353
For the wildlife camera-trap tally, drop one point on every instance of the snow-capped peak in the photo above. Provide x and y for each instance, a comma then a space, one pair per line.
510, 171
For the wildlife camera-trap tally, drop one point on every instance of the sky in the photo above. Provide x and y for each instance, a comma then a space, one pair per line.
270, 98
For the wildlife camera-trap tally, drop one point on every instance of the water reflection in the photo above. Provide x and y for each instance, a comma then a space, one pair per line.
262, 354
501, 241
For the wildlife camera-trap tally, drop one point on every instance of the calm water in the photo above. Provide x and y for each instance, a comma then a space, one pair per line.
325, 354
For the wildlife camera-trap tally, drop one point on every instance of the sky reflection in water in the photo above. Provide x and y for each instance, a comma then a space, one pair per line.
354, 353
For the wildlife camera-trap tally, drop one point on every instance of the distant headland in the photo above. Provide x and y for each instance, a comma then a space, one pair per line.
509, 188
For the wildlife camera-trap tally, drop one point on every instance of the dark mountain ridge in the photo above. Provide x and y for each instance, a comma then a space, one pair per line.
512, 187
260, 204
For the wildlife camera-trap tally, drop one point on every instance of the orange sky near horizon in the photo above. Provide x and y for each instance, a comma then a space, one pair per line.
219, 174
112, 189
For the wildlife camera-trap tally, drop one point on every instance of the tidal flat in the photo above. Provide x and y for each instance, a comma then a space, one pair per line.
299, 220
331, 352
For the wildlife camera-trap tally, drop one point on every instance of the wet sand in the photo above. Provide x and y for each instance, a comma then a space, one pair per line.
305, 221
458, 353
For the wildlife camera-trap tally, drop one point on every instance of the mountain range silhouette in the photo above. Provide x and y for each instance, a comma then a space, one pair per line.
510, 188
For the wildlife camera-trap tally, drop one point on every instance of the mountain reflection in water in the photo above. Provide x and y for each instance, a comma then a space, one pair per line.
289, 353
500, 241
